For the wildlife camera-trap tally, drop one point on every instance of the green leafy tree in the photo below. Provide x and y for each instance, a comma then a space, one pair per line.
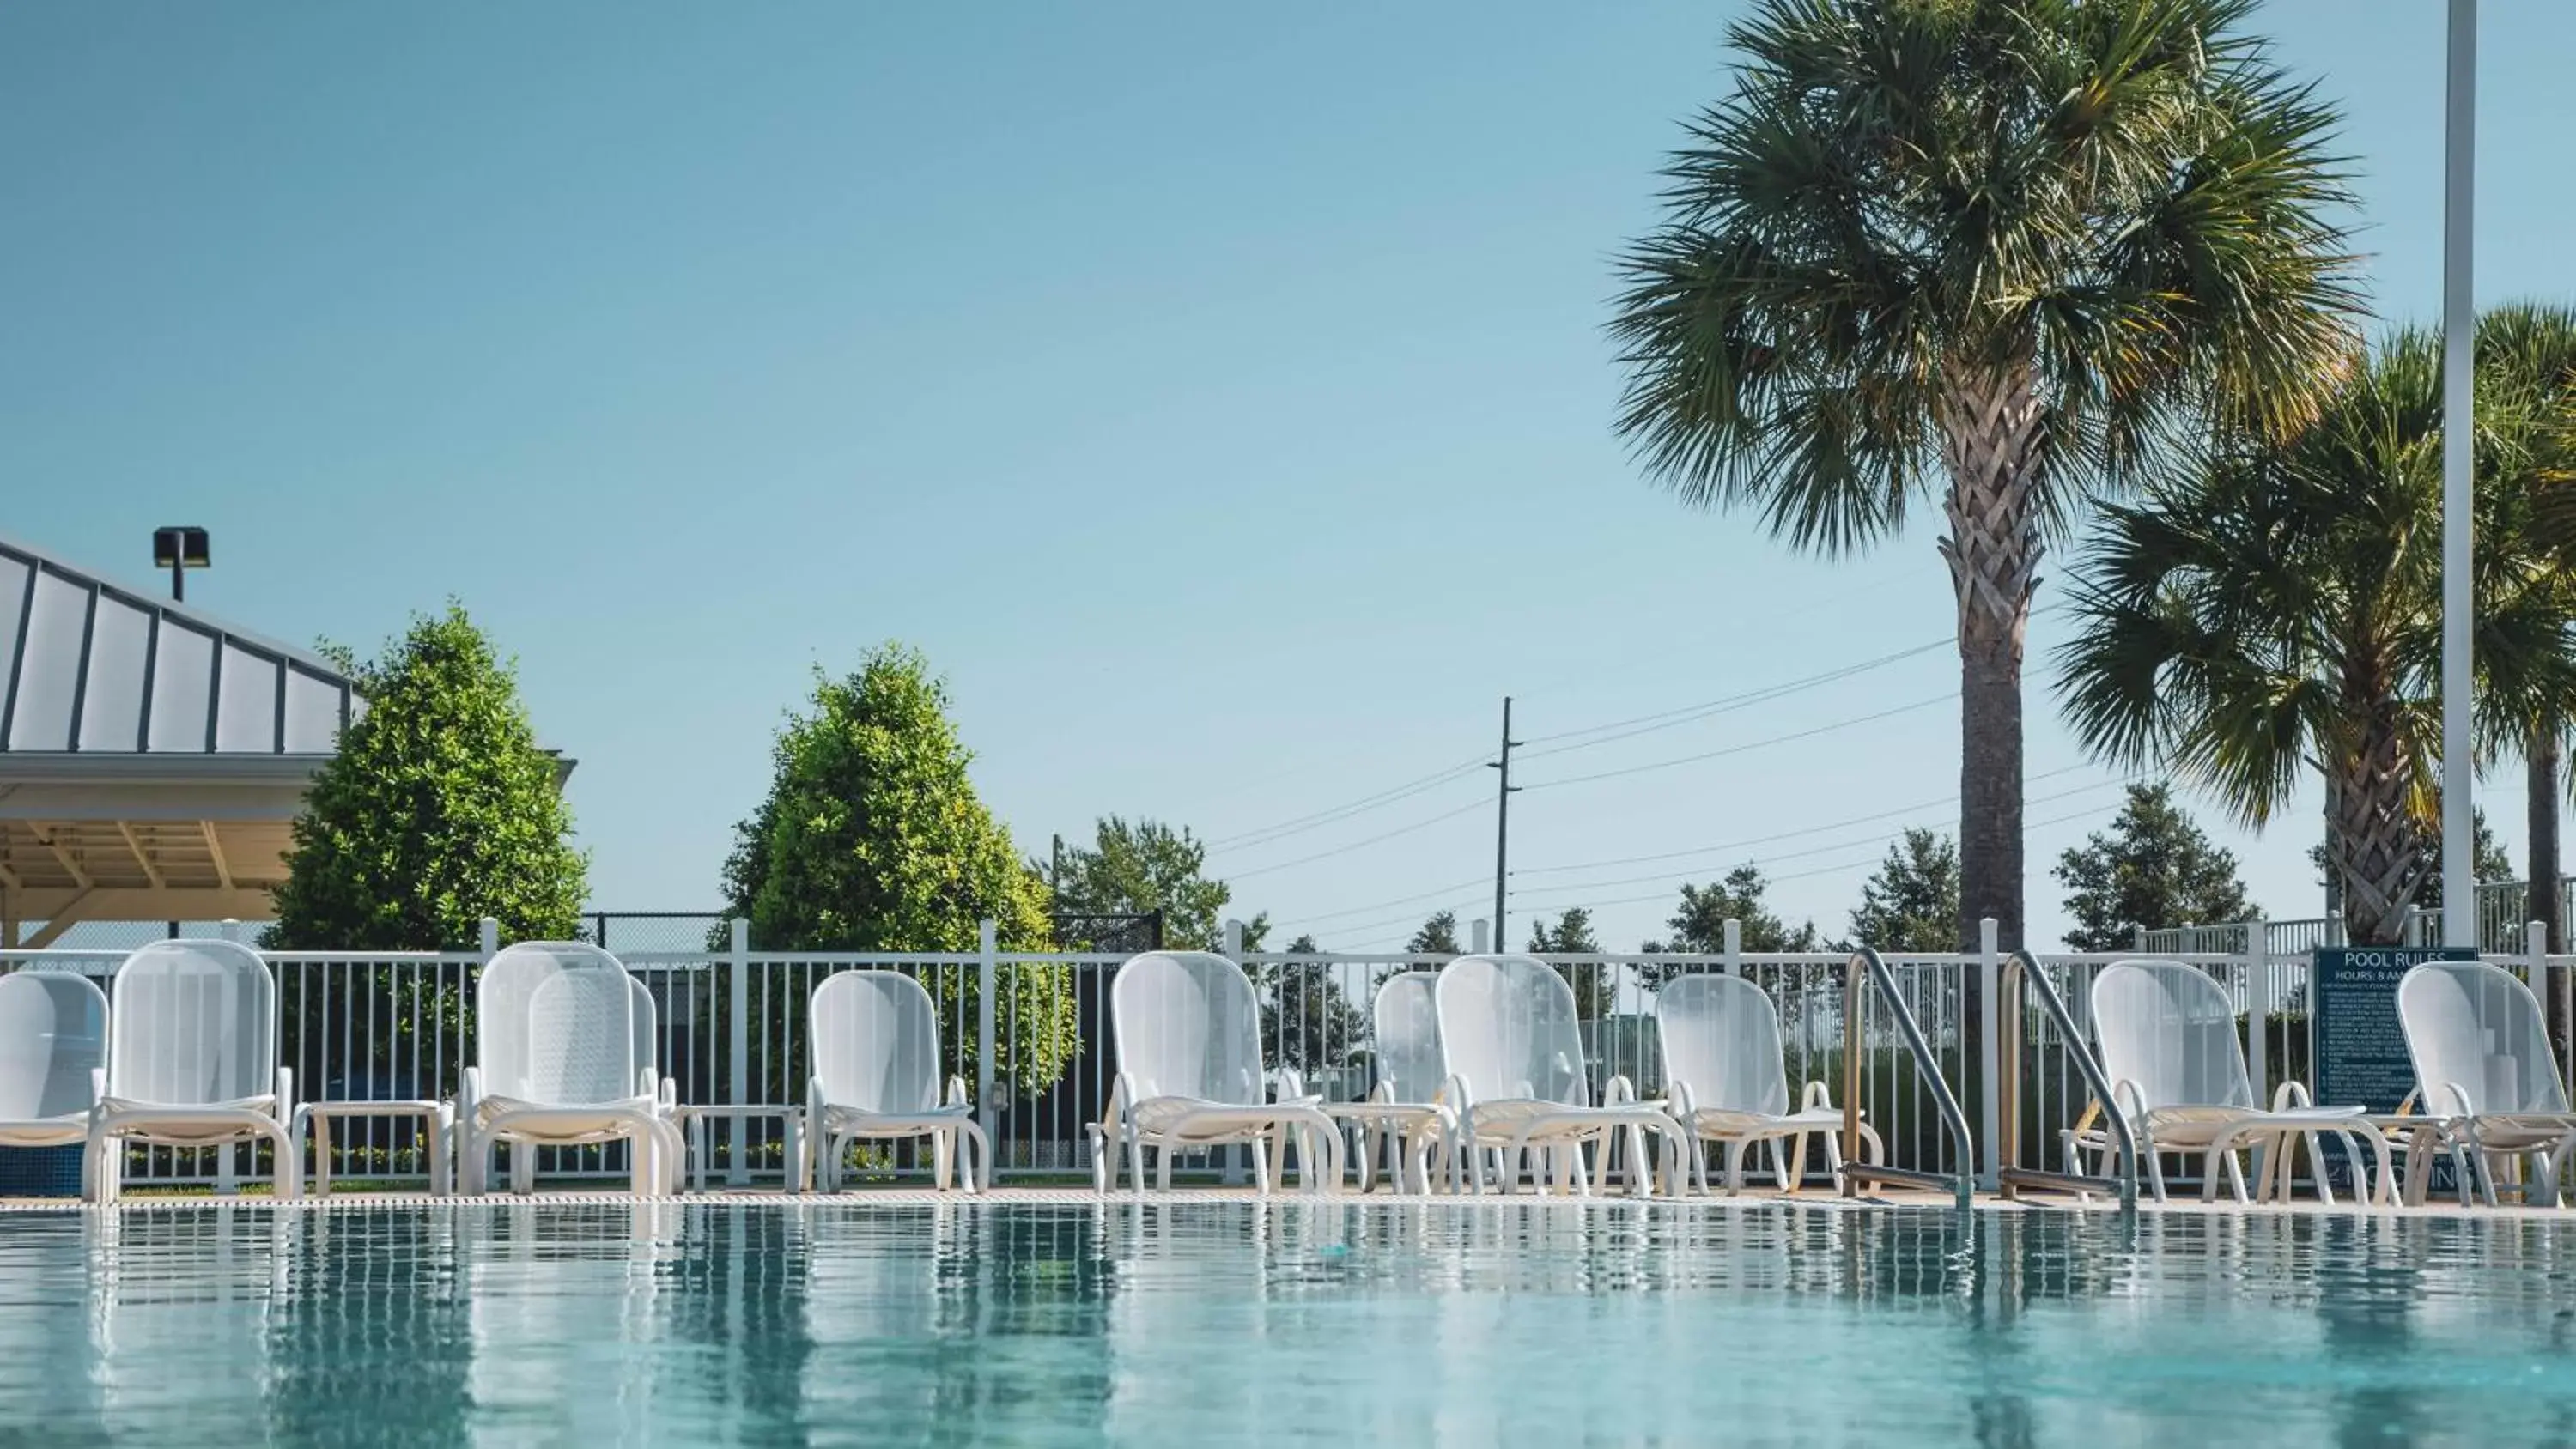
2153, 868
1307, 1020
1698, 924
1996, 253
2272, 604
872, 839
1910, 904
1438, 936
1134, 869
1596, 985
437, 810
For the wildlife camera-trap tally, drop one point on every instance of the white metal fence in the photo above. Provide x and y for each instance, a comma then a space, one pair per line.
1033, 1034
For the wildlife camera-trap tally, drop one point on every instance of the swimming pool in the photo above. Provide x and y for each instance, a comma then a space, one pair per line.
1198, 1322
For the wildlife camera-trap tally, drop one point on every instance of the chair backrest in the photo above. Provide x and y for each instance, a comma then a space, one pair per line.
2476, 1026
1405, 1023
647, 1025
876, 1042
1508, 1031
2170, 1029
556, 1023
53, 1035
1188, 1026
1721, 1038
195, 1023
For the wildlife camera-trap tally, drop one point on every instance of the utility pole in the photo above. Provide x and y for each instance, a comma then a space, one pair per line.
1503, 820
2459, 329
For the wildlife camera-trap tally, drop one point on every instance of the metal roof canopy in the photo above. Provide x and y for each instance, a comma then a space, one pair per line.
152, 758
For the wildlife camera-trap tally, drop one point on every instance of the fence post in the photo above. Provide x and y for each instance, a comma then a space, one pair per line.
1734, 947
738, 1049
1989, 973
1238, 1160
1480, 934
988, 985
2258, 1015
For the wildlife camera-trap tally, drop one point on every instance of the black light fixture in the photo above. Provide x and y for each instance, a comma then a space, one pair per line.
179, 550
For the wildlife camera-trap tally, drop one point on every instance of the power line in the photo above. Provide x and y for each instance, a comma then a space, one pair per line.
1450, 889
1776, 836
1246, 839
1853, 864
1608, 732
1686, 714
1815, 850
1841, 724
1423, 824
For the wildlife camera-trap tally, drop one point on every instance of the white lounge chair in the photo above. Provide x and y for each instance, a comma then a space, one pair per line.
875, 1038
1513, 1055
1190, 1077
1403, 1112
53, 1057
2177, 1072
1726, 1080
192, 1061
564, 1058
2485, 1073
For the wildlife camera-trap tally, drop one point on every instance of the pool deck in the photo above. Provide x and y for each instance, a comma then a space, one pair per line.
862, 1198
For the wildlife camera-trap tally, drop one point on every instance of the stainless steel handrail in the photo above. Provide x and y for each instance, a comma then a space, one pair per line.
2008, 1059
1865, 962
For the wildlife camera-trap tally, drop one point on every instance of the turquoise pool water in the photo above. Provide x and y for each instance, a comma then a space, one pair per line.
1291, 1323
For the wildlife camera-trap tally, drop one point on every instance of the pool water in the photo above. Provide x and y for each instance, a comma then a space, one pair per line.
1230, 1321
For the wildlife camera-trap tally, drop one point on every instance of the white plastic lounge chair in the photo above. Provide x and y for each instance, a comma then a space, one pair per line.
2177, 1071
1189, 1076
1726, 1080
53, 1057
1403, 1112
192, 1060
1513, 1055
2485, 1073
564, 1058
876, 1076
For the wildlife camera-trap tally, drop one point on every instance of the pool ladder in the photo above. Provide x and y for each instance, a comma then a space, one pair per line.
1866, 966
2018, 967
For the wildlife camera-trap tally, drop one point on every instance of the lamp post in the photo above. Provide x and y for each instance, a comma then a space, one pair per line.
2459, 335
179, 550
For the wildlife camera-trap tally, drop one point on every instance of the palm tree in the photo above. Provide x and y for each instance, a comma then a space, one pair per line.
2013, 245
2527, 367
2277, 604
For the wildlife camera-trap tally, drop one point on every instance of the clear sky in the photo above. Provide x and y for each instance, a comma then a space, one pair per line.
1216, 393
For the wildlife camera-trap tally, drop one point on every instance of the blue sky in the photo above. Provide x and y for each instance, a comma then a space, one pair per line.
1217, 394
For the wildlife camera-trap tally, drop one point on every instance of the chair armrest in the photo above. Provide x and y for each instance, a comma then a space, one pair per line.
1816, 1095
1677, 1094
1382, 1092
285, 1093
2291, 1097
97, 1085
1618, 1091
1290, 1085
2127, 1099
1453, 1095
2458, 1099
957, 1093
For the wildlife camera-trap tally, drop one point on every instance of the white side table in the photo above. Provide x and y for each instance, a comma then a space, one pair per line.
693, 1117
436, 1121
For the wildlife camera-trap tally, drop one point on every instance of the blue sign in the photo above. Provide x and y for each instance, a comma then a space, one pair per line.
2360, 1050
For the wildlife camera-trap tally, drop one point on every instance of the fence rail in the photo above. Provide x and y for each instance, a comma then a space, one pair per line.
1033, 1033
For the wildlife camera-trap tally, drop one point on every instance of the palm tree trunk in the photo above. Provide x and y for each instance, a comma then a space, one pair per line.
2372, 841
2541, 870
1989, 425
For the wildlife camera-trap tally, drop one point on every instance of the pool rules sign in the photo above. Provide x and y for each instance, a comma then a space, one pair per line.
2360, 1049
